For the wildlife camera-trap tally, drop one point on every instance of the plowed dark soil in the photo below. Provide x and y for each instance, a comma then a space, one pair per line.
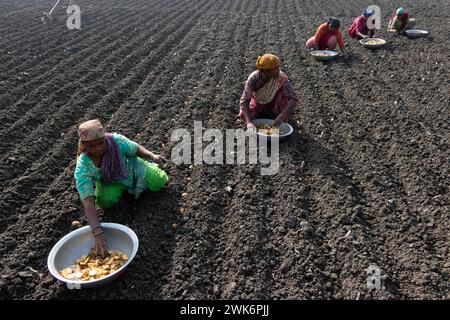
369, 155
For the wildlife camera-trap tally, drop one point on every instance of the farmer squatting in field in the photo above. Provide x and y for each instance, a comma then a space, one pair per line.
327, 36
112, 163
359, 29
267, 89
400, 22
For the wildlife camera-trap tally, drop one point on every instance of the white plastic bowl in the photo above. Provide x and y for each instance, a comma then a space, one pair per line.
78, 243
372, 46
331, 55
286, 128
413, 33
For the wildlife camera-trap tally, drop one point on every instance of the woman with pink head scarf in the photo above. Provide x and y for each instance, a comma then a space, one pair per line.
107, 165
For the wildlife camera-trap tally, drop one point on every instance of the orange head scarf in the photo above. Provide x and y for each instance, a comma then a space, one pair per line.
267, 62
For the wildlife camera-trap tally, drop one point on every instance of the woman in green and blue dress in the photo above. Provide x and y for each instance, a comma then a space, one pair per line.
107, 165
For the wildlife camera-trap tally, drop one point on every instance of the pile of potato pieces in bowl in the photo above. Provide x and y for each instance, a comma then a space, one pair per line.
374, 42
93, 267
268, 130
322, 54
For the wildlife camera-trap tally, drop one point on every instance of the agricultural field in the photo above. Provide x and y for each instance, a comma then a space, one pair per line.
363, 180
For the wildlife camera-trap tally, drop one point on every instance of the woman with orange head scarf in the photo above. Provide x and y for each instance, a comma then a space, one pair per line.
267, 90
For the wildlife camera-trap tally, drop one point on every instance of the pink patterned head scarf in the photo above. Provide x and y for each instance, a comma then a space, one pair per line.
112, 165
91, 130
